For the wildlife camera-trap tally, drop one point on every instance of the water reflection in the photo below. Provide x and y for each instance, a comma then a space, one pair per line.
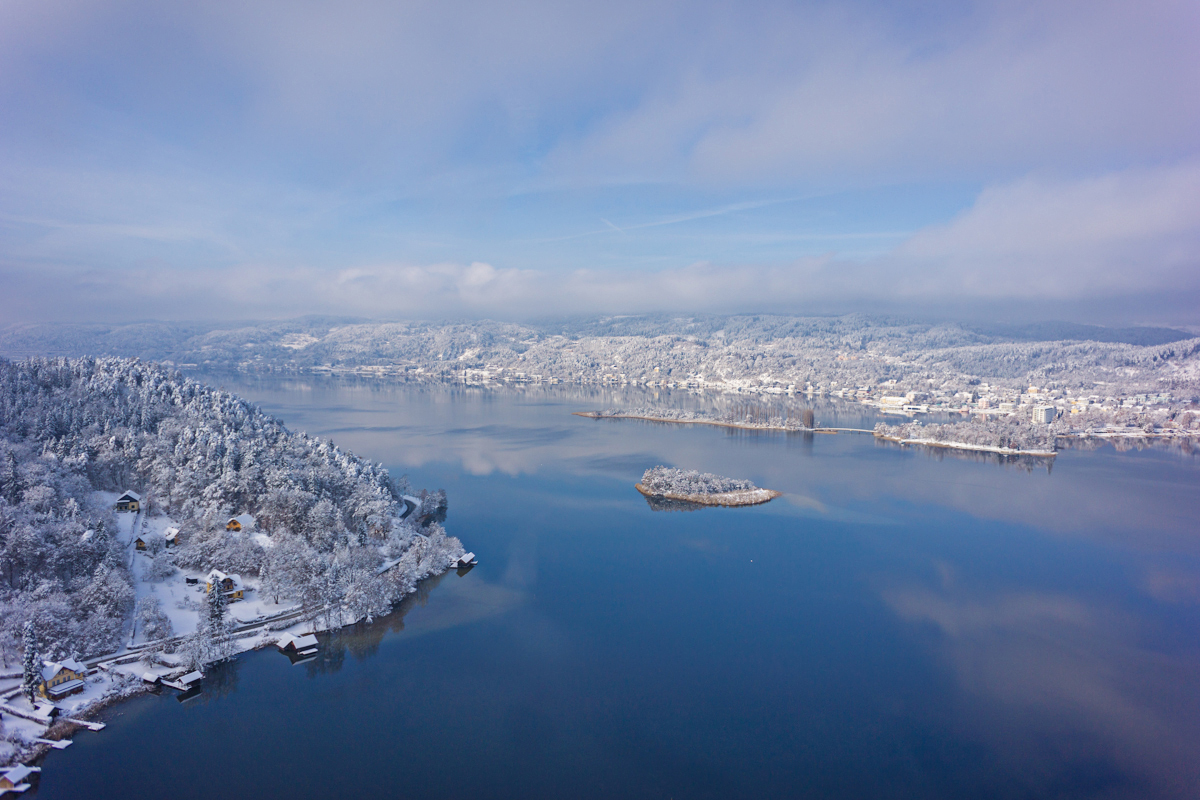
1065, 690
220, 680
895, 625
666, 504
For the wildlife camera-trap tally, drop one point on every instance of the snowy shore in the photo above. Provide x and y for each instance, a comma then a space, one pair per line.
882, 432
697, 418
154, 526
981, 448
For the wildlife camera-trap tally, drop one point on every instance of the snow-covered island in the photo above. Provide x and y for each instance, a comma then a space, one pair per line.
151, 525
701, 488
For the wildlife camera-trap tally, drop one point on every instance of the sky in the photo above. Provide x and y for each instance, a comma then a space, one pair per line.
263, 159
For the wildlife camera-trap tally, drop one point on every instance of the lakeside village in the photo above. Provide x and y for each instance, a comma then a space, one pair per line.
1099, 414
44, 704
1029, 424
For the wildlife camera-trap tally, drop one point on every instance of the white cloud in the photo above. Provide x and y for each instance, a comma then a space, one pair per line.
1124, 231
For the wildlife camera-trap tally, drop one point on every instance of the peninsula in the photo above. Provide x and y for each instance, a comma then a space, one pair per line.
1003, 436
151, 526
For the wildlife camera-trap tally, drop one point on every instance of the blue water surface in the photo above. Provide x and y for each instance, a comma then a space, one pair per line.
899, 624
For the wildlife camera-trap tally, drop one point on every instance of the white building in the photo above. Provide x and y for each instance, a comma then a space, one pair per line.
1044, 414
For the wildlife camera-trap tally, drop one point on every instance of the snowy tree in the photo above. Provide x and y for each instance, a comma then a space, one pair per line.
31, 673
154, 622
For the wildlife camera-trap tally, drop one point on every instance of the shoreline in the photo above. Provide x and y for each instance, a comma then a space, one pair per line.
127, 685
981, 448
720, 424
744, 497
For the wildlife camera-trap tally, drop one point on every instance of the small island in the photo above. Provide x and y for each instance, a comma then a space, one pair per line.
701, 488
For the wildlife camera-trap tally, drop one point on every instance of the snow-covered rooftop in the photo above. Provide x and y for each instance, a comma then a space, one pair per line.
52, 668
18, 774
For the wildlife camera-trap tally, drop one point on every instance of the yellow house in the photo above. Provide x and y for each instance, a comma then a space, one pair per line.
61, 678
240, 523
130, 501
230, 585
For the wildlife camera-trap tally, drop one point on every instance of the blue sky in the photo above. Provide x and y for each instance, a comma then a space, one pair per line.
521, 159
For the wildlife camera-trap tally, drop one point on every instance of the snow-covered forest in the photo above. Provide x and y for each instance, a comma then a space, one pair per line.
723, 353
669, 480
1002, 433
333, 532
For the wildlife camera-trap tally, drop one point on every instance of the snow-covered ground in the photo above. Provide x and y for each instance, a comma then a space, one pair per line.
180, 601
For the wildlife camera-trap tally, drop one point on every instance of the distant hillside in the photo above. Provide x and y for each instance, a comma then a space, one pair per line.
1063, 331
730, 352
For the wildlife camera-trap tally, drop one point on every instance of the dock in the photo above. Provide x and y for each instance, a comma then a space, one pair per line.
91, 726
57, 744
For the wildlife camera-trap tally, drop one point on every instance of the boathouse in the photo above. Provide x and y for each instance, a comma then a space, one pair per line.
304, 644
15, 778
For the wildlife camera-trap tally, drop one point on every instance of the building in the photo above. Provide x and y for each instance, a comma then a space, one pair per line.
15, 777
170, 536
61, 678
304, 644
129, 501
1044, 414
230, 585
242, 522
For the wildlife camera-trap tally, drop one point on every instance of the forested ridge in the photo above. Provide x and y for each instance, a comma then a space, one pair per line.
72, 427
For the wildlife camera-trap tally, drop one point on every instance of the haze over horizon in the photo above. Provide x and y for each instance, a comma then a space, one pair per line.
262, 160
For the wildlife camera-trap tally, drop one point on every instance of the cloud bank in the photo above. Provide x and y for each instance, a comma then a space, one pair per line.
522, 159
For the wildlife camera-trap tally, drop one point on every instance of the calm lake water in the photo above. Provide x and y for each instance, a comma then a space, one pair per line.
898, 625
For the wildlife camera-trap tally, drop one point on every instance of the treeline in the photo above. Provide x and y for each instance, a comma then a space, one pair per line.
1003, 432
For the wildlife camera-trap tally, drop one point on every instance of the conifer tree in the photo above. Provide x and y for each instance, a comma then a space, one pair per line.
31, 675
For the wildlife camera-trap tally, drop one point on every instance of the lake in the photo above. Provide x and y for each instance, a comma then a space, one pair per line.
899, 624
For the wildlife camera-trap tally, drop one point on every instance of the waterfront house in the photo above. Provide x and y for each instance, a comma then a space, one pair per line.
15, 777
191, 679
230, 585
130, 501
303, 644
467, 560
242, 522
61, 678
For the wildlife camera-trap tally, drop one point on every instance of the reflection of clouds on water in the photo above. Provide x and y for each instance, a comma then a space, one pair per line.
1063, 690
1171, 584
